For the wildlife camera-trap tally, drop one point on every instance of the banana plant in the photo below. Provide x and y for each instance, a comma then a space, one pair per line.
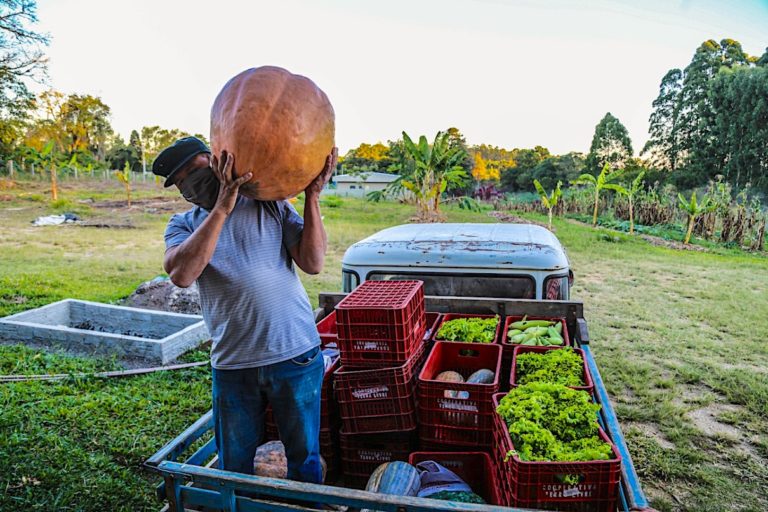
124, 177
693, 209
549, 201
435, 168
598, 183
630, 192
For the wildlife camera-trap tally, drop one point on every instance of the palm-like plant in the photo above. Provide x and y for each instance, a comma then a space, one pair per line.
549, 201
124, 177
598, 183
693, 209
434, 169
630, 192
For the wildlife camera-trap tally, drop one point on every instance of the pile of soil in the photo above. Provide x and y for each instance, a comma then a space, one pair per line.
160, 294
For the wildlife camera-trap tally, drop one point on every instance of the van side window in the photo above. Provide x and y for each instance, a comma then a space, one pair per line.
349, 280
556, 288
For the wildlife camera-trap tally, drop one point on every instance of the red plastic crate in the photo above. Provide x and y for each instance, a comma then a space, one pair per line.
523, 349
328, 331
379, 303
475, 468
453, 316
382, 352
378, 400
432, 320
537, 484
361, 454
453, 412
356, 385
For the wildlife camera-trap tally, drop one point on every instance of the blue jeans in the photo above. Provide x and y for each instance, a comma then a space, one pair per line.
240, 399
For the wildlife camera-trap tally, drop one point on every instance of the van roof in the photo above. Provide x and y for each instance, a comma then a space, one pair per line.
507, 246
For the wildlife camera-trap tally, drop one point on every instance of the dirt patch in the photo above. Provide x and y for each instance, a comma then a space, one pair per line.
95, 223
514, 219
671, 244
150, 205
162, 295
652, 431
705, 419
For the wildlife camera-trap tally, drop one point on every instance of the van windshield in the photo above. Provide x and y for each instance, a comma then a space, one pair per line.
468, 285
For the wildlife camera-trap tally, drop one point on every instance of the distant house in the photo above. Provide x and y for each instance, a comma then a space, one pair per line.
357, 185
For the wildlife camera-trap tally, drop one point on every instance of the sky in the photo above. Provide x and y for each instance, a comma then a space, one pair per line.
506, 73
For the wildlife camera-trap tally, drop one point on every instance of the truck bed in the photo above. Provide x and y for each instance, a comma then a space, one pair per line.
194, 484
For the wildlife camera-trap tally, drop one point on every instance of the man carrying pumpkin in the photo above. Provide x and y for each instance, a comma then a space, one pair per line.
266, 348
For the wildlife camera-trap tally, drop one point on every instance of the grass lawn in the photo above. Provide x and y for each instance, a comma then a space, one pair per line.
679, 337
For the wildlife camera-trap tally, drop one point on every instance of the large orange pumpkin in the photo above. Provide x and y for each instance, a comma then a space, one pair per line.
278, 125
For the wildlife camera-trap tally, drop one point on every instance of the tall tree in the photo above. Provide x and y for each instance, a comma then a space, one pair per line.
610, 145
663, 145
739, 146
135, 142
155, 139
21, 58
696, 120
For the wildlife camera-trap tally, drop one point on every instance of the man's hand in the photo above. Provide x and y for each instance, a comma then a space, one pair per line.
319, 182
228, 185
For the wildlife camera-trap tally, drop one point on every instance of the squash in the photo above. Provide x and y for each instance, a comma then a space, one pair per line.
375, 479
483, 376
400, 479
270, 461
396, 478
450, 376
278, 125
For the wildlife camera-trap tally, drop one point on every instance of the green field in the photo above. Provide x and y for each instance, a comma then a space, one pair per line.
679, 337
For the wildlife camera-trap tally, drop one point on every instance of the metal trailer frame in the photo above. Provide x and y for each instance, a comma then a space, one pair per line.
195, 484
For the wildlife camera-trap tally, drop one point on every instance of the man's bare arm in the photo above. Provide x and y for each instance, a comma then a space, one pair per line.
309, 253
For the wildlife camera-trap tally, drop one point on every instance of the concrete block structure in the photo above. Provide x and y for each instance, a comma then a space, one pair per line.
91, 328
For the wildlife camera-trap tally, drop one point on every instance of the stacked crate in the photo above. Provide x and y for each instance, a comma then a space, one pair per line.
594, 485
508, 347
381, 327
458, 415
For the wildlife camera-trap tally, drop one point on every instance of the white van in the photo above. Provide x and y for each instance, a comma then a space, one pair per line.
515, 261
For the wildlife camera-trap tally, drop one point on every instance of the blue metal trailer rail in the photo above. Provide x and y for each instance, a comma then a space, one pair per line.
191, 484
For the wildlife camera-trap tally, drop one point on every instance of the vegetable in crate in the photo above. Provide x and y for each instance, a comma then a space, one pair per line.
451, 376
552, 422
561, 366
440, 483
535, 333
482, 376
396, 478
470, 330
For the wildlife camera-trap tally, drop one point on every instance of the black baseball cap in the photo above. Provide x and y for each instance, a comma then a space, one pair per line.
173, 158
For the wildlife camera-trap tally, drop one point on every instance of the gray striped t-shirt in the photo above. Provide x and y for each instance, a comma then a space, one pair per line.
253, 302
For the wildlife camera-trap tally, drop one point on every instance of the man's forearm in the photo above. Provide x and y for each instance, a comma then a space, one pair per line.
314, 240
184, 263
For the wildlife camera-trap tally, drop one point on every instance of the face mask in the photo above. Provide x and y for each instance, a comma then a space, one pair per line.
201, 187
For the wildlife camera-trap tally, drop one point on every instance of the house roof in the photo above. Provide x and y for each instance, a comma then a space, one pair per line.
368, 177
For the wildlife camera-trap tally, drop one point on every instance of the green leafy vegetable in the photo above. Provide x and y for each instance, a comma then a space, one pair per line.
471, 330
551, 422
459, 496
563, 366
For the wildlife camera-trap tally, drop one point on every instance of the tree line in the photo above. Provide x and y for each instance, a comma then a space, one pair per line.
709, 122
53, 128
